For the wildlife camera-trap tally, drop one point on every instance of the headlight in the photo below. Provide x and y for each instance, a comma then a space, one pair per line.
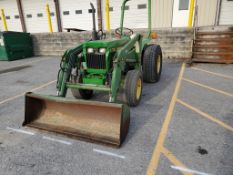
102, 50
90, 50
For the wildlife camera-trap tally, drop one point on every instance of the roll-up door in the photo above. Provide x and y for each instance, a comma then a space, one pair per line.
36, 17
136, 13
226, 12
77, 14
12, 15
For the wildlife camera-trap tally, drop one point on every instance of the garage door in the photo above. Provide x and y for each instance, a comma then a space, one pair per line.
36, 16
135, 13
76, 14
12, 15
206, 12
226, 12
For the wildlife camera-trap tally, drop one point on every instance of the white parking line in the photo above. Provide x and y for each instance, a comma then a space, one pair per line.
20, 131
32, 90
57, 140
189, 170
109, 153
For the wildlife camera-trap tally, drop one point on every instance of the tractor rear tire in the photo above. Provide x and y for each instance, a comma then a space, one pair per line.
85, 94
152, 64
133, 87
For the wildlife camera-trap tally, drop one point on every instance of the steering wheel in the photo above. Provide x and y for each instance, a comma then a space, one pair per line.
125, 31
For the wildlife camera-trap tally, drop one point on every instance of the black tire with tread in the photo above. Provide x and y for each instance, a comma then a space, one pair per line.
130, 87
150, 57
85, 94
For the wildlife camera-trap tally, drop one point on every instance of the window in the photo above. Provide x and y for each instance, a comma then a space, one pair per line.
8, 17
16, 16
111, 9
40, 15
66, 13
78, 12
184, 5
141, 6
29, 16
126, 7
52, 14
90, 11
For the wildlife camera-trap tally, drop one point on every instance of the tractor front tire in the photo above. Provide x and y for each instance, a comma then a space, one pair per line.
152, 64
85, 94
133, 87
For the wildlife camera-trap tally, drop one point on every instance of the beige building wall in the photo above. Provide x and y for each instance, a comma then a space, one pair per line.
206, 12
226, 13
162, 13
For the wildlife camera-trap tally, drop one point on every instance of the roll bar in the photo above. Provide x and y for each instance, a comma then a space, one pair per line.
123, 13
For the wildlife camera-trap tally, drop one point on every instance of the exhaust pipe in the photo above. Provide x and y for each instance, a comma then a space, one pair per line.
94, 32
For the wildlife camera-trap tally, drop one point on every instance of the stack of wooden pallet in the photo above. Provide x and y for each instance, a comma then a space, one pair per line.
213, 44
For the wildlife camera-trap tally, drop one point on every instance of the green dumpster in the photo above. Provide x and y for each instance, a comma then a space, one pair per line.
15, 45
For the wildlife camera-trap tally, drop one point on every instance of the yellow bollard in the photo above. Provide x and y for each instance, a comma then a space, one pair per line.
49, 18
4, 20
107, 16
191, 7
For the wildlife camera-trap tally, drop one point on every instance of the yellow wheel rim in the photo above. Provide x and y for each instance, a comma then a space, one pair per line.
139, 88
158, 64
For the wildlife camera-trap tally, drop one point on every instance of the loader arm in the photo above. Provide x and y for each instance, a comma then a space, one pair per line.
69, 61
122, 56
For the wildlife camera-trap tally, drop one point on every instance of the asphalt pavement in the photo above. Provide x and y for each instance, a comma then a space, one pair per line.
183, 125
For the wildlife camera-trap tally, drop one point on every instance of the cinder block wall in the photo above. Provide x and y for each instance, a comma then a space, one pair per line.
54, 44
175, 42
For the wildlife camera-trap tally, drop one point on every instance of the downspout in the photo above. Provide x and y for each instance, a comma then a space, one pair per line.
172, 13
21, 16
99, 15
58, 15
217, 17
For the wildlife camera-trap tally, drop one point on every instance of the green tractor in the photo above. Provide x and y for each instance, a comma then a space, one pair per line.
116, 66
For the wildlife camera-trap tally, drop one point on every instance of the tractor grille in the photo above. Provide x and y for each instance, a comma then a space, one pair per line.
96, 61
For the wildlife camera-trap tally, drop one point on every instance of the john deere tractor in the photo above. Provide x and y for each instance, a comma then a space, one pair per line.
115, 65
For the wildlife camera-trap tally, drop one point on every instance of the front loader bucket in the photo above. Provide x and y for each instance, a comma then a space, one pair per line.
102, 122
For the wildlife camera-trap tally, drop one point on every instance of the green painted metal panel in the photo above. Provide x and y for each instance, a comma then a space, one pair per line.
97, 71
114, 43
3, 54
94, 80
15, 45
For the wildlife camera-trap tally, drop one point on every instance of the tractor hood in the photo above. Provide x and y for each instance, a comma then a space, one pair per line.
111, 43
